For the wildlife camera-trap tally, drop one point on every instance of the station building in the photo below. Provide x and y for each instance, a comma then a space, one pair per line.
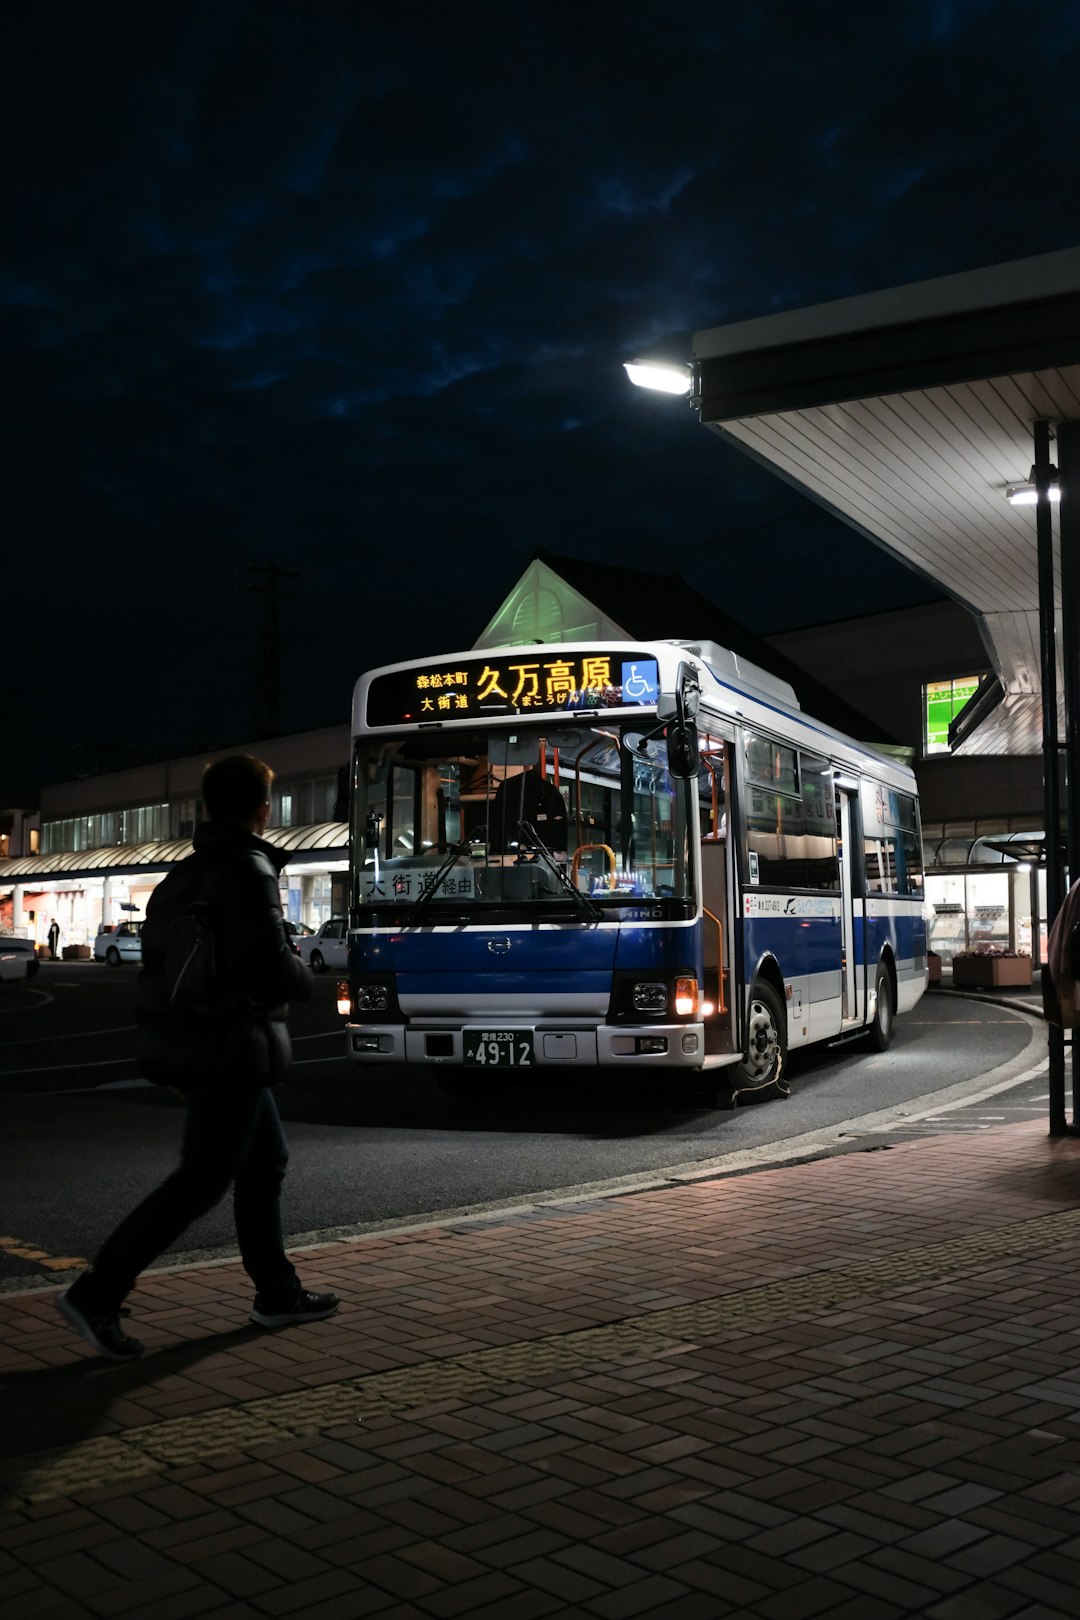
912, 415
105, 841
893, 681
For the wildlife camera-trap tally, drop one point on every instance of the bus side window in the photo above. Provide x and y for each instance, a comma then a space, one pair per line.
880, 855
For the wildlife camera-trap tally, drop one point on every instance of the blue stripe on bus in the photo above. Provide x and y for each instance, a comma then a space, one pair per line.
484, 950
494, 981
577, 952
583, 959
812, 944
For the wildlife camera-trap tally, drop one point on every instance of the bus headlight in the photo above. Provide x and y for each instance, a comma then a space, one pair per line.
650, 998
686, 997
372, 997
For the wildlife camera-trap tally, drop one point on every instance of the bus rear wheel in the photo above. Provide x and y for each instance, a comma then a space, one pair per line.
763, 1071
881, 1028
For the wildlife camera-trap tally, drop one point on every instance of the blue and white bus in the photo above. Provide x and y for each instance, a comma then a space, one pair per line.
630, 857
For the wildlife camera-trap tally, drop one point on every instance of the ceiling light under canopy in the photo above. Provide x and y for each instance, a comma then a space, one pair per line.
664, 375
1026, 494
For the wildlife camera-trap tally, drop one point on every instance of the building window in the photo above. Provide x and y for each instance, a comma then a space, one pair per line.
183, 815
942, 702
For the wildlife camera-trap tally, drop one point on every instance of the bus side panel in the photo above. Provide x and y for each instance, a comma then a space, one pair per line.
807, 948
899, 926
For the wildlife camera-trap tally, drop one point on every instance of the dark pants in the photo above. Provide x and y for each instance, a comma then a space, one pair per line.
234, 1139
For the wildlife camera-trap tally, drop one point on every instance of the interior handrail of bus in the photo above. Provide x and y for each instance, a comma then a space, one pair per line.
612, 736
715, 836
583, 849
721, 1003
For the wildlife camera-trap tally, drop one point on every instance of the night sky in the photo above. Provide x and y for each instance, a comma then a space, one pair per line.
292, 284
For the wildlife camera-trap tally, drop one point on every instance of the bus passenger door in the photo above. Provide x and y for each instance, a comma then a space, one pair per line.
717, 896
851, 991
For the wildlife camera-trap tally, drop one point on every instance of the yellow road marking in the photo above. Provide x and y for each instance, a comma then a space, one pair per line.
51, 1262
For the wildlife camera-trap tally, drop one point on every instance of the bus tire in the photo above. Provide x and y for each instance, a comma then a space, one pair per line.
881, 1029
763, 1071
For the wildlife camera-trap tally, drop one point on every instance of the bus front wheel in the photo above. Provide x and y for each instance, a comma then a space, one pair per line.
882, 1027
763, 1071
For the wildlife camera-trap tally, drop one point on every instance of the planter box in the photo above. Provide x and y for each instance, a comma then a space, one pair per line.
987, 971
933, 963
75, 953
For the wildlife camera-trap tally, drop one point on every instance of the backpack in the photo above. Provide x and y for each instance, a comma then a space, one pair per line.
190, 972
192, 960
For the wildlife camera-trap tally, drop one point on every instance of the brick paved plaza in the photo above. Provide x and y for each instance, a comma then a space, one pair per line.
845, 1388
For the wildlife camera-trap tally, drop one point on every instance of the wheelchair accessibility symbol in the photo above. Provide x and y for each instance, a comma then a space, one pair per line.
640, 682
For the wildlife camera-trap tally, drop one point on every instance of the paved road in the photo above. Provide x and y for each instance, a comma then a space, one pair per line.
81, 1139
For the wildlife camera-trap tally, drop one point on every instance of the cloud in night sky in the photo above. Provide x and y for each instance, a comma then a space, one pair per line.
296, 284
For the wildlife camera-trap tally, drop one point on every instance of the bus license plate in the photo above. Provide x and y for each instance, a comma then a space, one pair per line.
498, 1048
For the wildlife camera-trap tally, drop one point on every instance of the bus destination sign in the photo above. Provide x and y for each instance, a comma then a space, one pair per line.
549, 683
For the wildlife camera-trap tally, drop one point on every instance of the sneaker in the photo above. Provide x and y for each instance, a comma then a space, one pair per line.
306, 1307
101, 1329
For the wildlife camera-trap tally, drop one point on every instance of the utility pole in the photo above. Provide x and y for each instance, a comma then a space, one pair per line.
268, 684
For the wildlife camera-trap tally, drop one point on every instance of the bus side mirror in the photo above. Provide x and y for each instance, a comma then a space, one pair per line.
683, 703
689, 693
682, 751
680, 708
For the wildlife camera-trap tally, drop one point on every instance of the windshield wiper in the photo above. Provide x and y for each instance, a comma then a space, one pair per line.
587, 907
455, 854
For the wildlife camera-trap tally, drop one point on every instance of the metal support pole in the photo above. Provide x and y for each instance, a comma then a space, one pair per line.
1068, 440
1051, 798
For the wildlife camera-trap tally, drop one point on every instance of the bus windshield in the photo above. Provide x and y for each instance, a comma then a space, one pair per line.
565, 821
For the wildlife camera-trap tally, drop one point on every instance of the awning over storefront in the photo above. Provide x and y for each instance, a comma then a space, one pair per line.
324, 840
980, 847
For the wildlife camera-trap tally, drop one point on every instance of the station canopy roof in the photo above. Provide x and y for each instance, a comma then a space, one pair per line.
305, 846
979, 846
906, 413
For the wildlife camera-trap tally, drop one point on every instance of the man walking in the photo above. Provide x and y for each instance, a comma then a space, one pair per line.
226, 1056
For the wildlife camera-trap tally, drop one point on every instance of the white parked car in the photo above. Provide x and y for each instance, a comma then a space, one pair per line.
18, 957
119, 944
327, 947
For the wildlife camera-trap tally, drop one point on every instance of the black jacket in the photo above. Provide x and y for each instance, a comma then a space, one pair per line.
238, 874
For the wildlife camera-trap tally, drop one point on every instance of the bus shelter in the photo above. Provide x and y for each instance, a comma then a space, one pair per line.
941, 421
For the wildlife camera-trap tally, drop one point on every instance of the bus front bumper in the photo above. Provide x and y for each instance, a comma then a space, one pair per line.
603, 1045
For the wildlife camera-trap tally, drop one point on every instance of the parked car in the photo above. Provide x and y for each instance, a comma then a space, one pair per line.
297, 930
120, 944
327, 947
18, 957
